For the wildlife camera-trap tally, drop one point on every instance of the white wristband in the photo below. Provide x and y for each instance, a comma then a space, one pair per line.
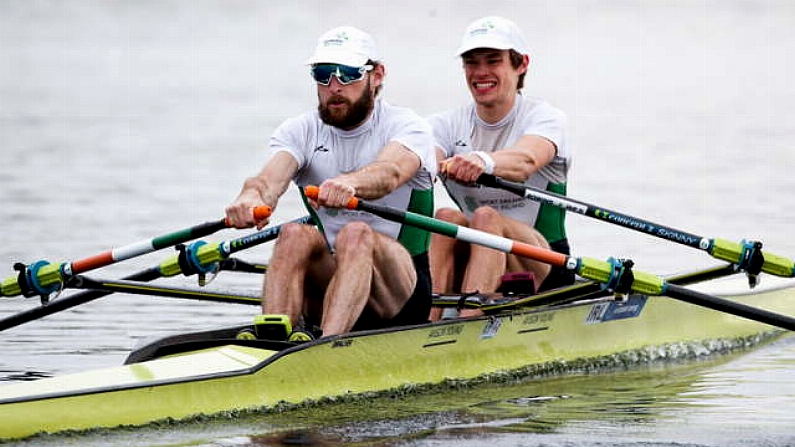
487, 160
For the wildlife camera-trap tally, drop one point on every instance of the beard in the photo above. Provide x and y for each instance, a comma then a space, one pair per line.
348, 117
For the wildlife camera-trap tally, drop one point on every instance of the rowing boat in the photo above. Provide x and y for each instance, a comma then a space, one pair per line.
213, 372
619, 316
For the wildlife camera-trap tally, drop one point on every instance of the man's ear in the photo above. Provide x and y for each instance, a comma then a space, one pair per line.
525, 67
379, 73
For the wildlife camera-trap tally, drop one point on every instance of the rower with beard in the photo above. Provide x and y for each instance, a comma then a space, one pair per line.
353, 270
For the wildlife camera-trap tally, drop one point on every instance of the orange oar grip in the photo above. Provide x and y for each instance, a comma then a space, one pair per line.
258, 212
262, 212
312, 192
539, 254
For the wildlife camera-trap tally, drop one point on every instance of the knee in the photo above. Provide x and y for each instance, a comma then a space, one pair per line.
294, 238
451, 215
355, 237
446, 243
486, 218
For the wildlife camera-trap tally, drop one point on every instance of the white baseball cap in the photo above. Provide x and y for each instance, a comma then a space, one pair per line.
344, 45
493, 32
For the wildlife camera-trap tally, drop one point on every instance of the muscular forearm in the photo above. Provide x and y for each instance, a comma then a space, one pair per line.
260, 188
516, 166
395, 166
518, 162
374, 180
263, 189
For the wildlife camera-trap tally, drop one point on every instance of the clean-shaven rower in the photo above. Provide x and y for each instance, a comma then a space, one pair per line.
504, 133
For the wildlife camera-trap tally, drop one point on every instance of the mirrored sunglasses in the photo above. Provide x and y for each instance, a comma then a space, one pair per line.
345, 73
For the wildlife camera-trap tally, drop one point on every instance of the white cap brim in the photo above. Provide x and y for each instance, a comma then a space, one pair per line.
338, 57
486, 42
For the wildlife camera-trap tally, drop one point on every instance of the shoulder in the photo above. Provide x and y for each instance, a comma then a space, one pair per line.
296, 135
540, 109
307, 120
453, 117
297, 132
398, 113
399, 119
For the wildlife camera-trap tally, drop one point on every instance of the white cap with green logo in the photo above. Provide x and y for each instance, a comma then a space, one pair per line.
344, 45
493, 32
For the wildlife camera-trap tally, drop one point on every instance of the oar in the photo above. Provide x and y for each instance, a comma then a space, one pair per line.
68, 302
170, 267
613, 274
140, 288
491, 303
745, 255
201, 257
43, 278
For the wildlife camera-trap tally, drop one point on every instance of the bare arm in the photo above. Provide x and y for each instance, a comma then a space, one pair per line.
516, 163
523, 159
395, 165
263, 189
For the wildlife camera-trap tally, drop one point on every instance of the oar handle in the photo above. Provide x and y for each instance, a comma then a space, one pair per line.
451, 230
259, 213
313, 192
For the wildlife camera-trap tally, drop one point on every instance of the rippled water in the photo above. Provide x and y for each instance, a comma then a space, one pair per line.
120, 121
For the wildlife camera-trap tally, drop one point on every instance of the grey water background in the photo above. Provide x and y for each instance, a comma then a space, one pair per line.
123, 120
